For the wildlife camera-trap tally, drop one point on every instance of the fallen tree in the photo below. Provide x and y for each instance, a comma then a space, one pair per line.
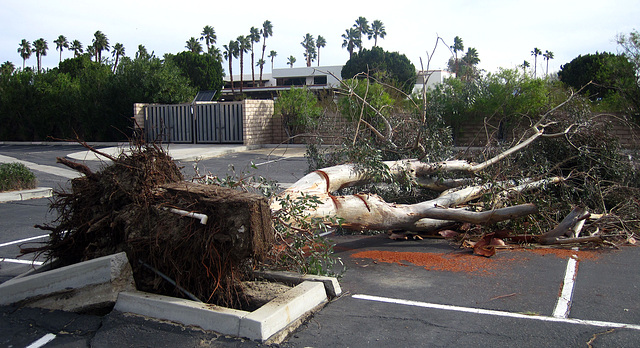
585, 165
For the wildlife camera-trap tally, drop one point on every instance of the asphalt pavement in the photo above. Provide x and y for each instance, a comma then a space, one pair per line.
508, 300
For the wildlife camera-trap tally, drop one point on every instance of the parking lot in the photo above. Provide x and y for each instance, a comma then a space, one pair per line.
523, 298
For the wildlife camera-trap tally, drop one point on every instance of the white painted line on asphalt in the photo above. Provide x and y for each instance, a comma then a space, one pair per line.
563, 306
23, 240
267, 162
65, 173
23, 262
497, 313
42, 341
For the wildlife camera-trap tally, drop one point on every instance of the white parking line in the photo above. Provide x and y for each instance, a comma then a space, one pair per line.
563, 306
42, 341
22, 262
497, 313
23, 240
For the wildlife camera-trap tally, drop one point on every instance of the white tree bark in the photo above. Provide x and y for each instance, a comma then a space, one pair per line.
370, 211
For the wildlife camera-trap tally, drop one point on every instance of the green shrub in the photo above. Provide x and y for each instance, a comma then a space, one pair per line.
16, 176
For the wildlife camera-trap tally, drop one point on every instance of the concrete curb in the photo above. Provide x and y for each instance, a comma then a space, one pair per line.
101, 282
331, 284
23, 195
260, 325
77, 287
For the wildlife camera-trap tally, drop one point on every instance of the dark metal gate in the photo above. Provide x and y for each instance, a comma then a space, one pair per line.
194, 123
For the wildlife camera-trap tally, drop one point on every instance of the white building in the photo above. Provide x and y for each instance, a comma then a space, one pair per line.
323, 77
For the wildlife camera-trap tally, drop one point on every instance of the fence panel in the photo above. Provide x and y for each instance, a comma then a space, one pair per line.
195, 123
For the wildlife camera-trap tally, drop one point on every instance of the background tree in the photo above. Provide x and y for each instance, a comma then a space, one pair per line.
321, 42
351, 41
61, 43
243, 47
377, 31
230, 52
100, 43
209, 36
203, 70
24, 49
469, 64
291, 60
260, 64
391, 68
118, 51
524, 66
7, 68
267, 30
362, 28
631, 48
272, 55
535, 53
254, 36
605, 78
142, 53
547, 55
215, 53
299, 109
40, 47
309, 45
194, 46
458, 46
76, 47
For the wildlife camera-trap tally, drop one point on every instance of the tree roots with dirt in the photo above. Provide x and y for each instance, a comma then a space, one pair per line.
182, 239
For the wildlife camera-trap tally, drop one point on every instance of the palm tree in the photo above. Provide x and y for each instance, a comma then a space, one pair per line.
377, 31
230, 52
458, 46
267, 30
215, 53
61, 43
351, 40
7, 68
291, 60
118, 51
547, 55
194, 46
470, 60
260, 64
362, 26
272, 55
25, 51
76, 47
524, 66
535, 53
321, 42
309, 44
209, 36
243, 47
91, 50
100, 43
254, 36
40, 47
142, 53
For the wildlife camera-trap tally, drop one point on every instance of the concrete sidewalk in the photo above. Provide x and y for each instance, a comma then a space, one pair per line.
180, 152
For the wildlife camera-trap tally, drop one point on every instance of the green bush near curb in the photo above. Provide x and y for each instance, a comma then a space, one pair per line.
16, 176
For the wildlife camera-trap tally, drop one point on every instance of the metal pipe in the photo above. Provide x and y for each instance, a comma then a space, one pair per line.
165, 277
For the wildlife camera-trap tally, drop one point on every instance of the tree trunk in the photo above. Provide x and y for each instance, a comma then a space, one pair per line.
370, 211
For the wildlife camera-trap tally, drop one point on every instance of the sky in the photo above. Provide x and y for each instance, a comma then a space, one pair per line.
504, 32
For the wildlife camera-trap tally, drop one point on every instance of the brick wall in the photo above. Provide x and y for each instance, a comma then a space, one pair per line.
260, 124
479, 133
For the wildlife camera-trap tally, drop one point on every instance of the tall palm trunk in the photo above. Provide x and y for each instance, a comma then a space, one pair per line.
241, 70
231, 76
